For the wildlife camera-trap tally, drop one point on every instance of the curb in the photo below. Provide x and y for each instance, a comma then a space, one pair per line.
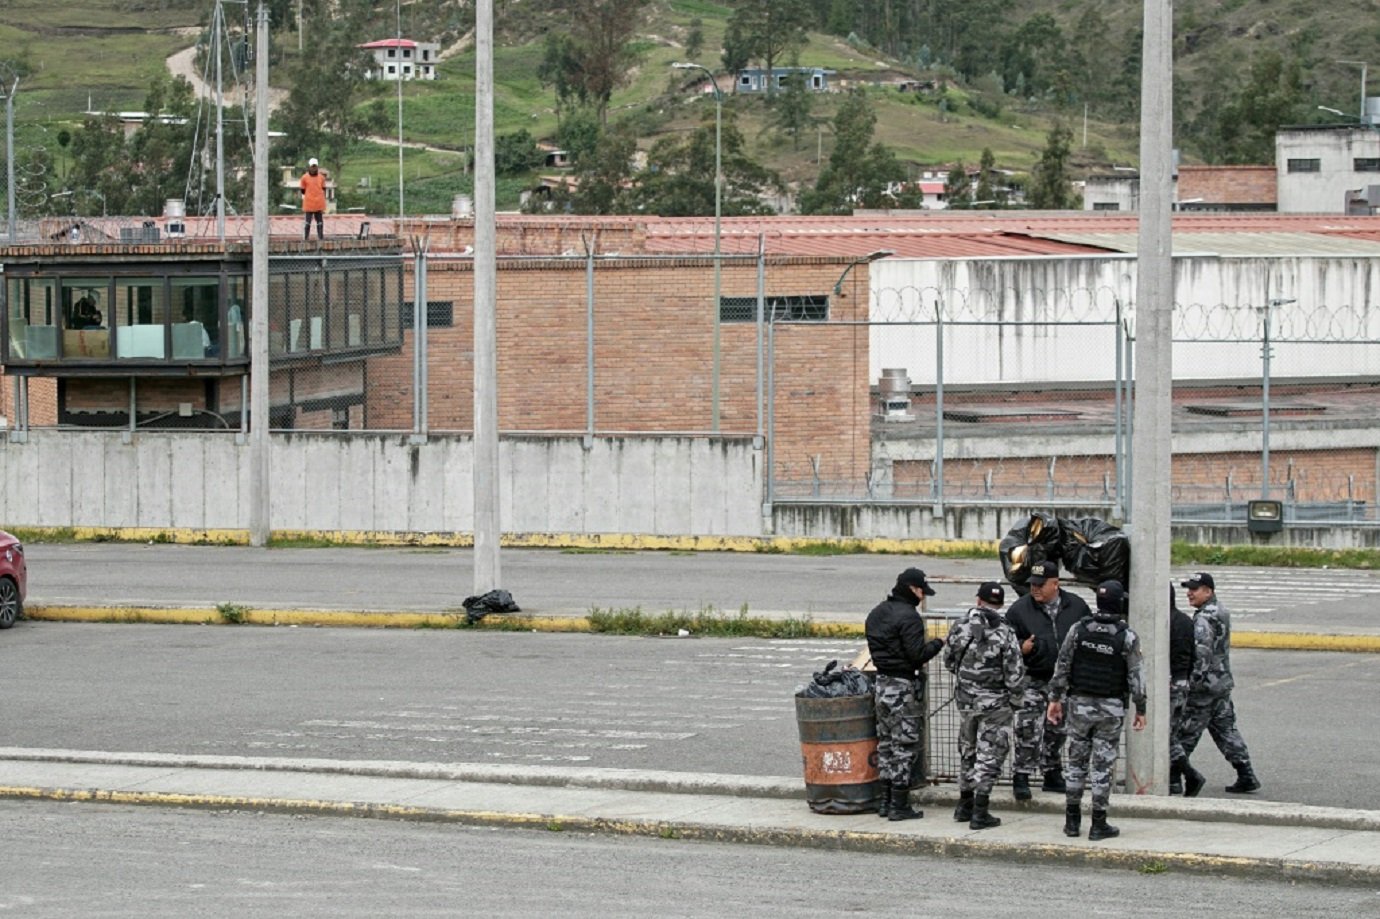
834, 840
383, 619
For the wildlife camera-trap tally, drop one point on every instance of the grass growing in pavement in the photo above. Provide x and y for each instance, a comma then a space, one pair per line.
1183, 553
708, 622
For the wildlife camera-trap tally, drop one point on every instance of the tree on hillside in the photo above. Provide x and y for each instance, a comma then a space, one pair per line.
679, 179
770, 28
694, 38
604, 176
737, 51
790, 112
957, 192
322, 116
986, 191
1241, 129
595, 56
1050, 189
859, 172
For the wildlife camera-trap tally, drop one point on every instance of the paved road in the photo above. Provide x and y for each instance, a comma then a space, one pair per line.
556, 582
699, 705
158, 862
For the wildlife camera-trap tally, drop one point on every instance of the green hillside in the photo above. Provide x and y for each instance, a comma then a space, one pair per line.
1012, 70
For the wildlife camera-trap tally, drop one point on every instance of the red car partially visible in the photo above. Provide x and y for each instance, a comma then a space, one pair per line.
14, 578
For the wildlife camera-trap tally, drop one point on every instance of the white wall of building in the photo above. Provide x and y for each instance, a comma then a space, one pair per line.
379, 482
1062, 312
1336, 150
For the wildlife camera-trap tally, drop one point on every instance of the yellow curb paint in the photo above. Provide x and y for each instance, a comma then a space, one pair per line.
1303, 641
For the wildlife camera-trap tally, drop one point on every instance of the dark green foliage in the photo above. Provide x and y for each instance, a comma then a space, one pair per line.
516, 153
694, 39
770, 29
679, 179
1050, 189
859, 172
595, 55
957, 191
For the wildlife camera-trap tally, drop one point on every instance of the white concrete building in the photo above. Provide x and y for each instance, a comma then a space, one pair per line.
1328, 169
403, 59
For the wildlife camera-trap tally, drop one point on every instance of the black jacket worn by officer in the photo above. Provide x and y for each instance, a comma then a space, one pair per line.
1027, 618
896, 633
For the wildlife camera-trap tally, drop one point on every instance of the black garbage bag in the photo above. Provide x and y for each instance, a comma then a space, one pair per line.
835, 684
1095, 551
1036, 540
495, 601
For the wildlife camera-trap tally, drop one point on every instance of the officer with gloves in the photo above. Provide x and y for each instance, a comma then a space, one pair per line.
1041, 620
985, 660
896, 640
1099, 666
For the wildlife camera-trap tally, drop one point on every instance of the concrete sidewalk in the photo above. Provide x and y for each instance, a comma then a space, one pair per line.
1247, 838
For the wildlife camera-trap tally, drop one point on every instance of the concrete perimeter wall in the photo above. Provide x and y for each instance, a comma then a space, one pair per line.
653, 485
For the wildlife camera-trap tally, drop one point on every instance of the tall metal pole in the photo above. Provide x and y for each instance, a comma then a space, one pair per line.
1148, 752
218, 36
401, 211
760, 439
1363, 65
486, 484
590, 245
1119, 508
259, 503
9, 156
1265, 402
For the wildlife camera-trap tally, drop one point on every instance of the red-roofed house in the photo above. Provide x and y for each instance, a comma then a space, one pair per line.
403, 59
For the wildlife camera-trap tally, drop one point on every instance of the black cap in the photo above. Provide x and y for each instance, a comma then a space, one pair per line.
991, 592
1200, 579
914, 577
1111, 597
1043, 571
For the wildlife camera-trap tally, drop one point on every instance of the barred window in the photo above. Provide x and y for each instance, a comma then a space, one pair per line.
1106, 206
440, 314
1305, 165
1366, 164
805, 308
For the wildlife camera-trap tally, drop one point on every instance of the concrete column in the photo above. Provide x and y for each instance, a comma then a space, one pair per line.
487, 574
1148, 752
259, 502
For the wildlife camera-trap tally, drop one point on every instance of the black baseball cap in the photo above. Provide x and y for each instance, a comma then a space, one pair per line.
1111, 597
991, 592
1200, 579
914, 577
1043, 571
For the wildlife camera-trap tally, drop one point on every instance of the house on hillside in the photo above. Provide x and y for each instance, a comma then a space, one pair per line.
402, 59
755, 79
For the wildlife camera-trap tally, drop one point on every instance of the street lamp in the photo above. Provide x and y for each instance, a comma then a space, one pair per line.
1327, 108
1265, 395
1363, 65
718, 214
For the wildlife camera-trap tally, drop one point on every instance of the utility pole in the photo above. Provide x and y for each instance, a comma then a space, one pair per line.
9, 155
487, 575
1361, 119
259, 503
1148, 751
399, 74
218, 36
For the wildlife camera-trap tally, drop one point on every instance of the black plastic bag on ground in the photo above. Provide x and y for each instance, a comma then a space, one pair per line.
834, 684
1095, 551
495, 601
1036, 540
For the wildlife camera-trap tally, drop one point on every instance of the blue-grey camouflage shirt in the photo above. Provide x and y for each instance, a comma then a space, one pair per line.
985, 658
1130, 651
1211, 651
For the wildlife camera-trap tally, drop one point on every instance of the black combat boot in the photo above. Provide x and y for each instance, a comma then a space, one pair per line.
900, 804
1246, 781
981, 819
1073, 819
1020, 786
1054, 781
1193, 779
884, 803
1100, 829
964, 812
1176, 777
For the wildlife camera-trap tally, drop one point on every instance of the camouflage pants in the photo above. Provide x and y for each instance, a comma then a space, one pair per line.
899, 712
1093, 726
984, 736
1217, 715
1178, 704
1037, 743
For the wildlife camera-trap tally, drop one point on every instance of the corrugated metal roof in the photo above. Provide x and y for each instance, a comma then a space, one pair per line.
1241, 245
901, 244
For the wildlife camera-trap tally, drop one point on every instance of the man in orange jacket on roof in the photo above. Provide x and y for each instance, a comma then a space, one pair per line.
313, 198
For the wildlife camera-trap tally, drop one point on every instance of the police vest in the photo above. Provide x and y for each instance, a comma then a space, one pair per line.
1099, 667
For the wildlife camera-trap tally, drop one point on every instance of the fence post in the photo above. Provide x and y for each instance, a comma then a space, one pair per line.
590, 245
758, 439
939, 405
770, 465
1119, 507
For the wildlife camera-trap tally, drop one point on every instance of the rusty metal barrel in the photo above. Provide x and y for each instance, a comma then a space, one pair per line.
838, 744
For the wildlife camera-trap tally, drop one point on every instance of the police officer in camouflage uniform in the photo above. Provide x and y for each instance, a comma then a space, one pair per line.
896, 640
1183, 778
985, 659
1041, 620
1210, 684
1099, 666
